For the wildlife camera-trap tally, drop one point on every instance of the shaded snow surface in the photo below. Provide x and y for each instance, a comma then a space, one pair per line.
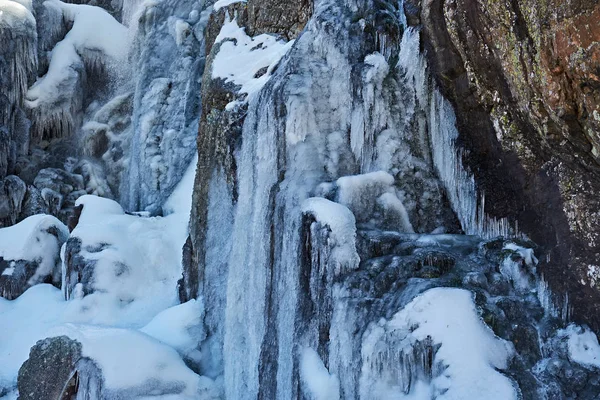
140, 346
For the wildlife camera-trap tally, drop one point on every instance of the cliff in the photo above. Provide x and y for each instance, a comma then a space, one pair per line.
524, 79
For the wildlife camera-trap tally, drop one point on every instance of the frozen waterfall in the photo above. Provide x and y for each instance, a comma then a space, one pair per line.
247, 212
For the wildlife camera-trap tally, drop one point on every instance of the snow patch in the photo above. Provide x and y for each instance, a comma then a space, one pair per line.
224, 3
241, 58
317, 381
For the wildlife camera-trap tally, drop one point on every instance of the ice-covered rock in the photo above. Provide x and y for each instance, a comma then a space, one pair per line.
101, 363
95, 43
166, 105
297, 133
33, 203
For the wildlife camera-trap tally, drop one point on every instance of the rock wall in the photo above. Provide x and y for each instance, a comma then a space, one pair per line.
523, 77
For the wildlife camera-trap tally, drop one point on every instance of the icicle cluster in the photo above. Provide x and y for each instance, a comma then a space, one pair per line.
95, 40
18, 66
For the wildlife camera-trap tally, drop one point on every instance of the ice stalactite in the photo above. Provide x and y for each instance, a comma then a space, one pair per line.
249, 270
214, 275
369, 115
18, 67
467, 201
19, 50
328, 253
436, 123
554, 305
12, 194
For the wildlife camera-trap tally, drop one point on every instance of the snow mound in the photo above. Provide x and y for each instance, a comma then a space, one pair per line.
364, 193
342, 224
466, 355
135, 262
93, 29
28, 317
145, 362
180, 327
37, 238
16, 16
152, 246
132, 360
337, 216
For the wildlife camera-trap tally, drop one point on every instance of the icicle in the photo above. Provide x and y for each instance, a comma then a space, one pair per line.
55, 101
368, 116
19, 51
553, 306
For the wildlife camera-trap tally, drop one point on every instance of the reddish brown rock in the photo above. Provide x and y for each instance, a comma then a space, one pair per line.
524, 77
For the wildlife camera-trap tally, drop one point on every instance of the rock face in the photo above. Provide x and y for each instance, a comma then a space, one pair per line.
56, 369
524, 79
47, 372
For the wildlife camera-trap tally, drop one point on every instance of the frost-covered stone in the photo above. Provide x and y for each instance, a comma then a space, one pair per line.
82, 364
58, 180
33, 203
